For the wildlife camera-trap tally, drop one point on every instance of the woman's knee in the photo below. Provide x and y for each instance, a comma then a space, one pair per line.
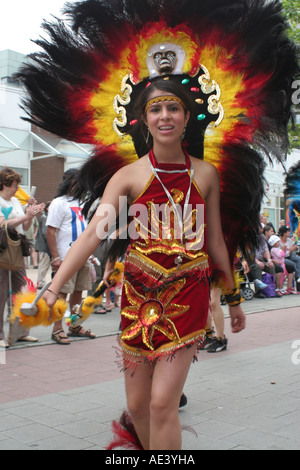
162, 407
138, 407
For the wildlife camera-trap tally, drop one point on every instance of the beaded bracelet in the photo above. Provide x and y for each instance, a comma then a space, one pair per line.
51, 291
233, 297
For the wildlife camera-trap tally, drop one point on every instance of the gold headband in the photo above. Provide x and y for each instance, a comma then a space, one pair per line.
160, 99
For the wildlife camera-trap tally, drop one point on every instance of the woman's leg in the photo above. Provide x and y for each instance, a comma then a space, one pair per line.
138, 392
3, 298
218, 314
167, 385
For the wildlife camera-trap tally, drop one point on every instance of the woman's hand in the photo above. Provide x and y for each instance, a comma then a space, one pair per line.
109, 269
34, 210
32, 201
50, 299
56, 264
238, 319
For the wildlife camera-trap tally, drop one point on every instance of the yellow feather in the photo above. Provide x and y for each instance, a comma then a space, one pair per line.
231, 84
22, 196
42, 318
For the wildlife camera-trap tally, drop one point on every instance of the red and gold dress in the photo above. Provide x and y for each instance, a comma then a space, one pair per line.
165, 297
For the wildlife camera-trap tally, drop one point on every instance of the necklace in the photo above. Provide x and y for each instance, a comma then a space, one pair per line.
179, 259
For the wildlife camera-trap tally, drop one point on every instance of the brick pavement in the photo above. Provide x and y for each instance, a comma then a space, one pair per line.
54, 397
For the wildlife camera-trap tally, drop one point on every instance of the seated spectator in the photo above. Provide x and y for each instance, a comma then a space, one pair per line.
259, 263
288, 244
268, 231
278, 257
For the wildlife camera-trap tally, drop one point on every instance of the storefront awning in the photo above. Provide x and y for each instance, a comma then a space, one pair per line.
275, 177
45, 145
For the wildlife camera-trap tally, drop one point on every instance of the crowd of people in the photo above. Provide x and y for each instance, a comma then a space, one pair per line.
277, 260
51, 229
277, 257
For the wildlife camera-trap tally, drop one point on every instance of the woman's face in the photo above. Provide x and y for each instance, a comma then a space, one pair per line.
11, 190
269, 233
166, 120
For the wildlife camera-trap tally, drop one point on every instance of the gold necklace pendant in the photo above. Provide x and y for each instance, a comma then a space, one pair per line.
178, 261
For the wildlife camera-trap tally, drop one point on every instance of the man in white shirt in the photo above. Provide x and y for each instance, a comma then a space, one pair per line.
65, 224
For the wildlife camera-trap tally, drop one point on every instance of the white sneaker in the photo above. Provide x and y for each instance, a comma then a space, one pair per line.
3, 344
298, 280
259, 284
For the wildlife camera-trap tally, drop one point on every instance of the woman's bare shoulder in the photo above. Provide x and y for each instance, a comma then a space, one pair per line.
131, 178
133, 167
206, 176
204, 166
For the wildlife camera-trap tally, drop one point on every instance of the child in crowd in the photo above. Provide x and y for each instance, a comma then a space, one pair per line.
278, 257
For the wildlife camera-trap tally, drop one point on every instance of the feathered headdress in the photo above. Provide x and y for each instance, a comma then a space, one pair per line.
292, 193
231, 55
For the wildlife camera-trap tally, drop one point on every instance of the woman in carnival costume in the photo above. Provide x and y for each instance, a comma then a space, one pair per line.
181, 101
292, 194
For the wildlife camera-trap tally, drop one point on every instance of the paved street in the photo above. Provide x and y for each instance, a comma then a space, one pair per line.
55, 397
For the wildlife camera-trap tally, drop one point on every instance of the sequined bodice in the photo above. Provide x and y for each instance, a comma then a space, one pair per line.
154, 229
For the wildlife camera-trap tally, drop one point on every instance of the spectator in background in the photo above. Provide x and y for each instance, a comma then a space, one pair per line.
9, 183
278, 253
42, 248
31, 237
262, 262
268, 232
263, 220
290, 248
64, 225
282, 223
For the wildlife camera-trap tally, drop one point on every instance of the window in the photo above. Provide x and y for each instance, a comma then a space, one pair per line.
23, 172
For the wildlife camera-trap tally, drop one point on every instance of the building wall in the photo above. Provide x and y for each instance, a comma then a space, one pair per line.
46, 175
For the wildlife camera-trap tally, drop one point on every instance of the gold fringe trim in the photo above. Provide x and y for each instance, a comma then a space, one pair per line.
132, 357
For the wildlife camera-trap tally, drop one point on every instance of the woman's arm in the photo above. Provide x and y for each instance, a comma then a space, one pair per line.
217, 249
216, 246
25, 219
15, 222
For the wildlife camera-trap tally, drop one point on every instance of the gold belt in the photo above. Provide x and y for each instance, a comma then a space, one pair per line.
136, 262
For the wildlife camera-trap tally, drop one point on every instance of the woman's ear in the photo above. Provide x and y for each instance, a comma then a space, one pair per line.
144, 119
187, 117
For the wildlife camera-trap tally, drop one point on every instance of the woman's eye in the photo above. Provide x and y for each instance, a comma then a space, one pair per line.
155, 109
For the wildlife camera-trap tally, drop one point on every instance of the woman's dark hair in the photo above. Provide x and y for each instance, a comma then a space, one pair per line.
267, 228
283, 230
68, 183
8, 177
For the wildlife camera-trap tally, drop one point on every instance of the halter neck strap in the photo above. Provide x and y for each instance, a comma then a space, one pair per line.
181, 168
171, 167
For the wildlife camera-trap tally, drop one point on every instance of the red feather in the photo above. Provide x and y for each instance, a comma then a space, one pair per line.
125, 436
